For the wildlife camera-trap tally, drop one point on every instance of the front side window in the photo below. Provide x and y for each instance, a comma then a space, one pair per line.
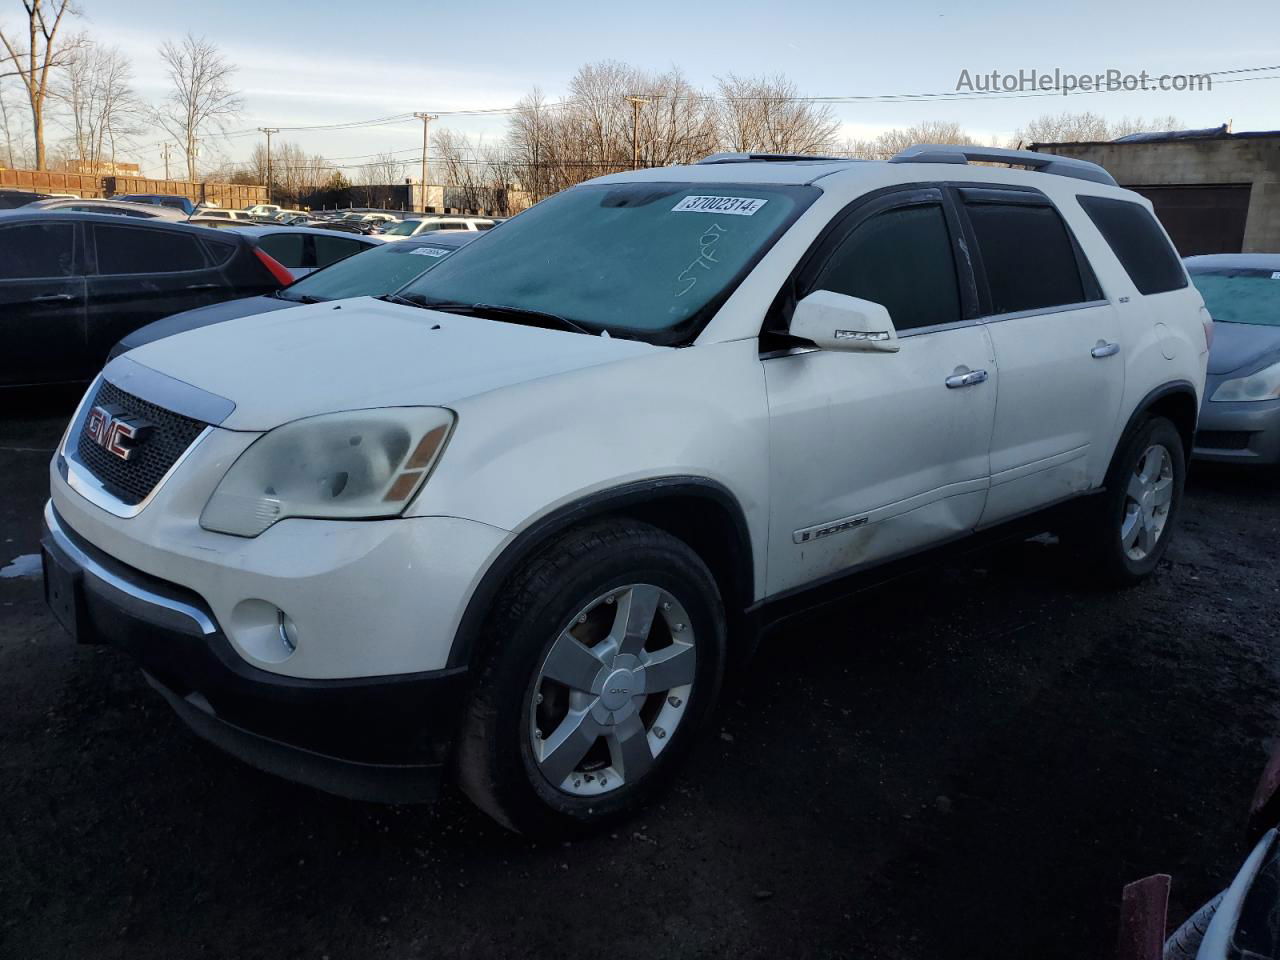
650, 260
139, 250
1028, 256
332, 249
902, 260
287, 249
37, 250
1138, 243
1240, 295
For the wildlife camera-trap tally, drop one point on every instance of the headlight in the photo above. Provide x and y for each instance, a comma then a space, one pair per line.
357, 464
1263, 385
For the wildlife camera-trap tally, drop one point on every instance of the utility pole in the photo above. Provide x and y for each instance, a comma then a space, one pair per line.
164, 152
268, 131
426, 119
636, 103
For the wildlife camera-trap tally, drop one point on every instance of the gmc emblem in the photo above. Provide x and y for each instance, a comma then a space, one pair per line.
115, 431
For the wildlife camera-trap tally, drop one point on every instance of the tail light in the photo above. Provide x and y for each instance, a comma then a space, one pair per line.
278, 270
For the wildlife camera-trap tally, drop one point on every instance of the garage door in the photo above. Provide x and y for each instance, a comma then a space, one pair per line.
1202, 219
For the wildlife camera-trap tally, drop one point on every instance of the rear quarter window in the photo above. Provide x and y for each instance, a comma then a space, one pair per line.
1138, 243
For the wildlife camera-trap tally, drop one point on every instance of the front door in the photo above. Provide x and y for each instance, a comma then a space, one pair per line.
874, 455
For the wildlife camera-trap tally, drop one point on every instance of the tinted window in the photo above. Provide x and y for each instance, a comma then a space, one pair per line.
1138, 243
137, 250
37, 250
902, 260
287, 249
485, 224
220, 252
1028, 256
332, 249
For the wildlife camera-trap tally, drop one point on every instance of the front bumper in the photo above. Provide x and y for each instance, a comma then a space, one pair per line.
382, 738
1246, 432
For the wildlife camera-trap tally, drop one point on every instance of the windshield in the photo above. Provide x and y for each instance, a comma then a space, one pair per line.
373, 273
404, 228
651, 260
1241, 295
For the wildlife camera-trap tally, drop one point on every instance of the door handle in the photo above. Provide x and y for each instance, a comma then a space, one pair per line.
201, 286
1104, 350
52, 298
972, 378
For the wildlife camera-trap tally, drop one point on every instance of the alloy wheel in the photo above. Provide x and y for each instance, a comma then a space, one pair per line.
1148, 499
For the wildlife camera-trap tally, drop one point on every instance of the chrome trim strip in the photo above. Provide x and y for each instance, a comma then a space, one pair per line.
95, 569
165, 391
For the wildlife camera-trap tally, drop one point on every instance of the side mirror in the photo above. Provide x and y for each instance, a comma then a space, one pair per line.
836, 322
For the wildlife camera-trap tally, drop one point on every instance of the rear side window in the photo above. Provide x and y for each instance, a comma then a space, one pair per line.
139, 250
902, 260
332, 249
287, 249
1138, 243
219, 252
37, 250
1028, 257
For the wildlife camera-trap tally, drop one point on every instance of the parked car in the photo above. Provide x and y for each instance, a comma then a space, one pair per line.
72, 284
208, 216
11, 199
122, 208
517, 522
377, 273
185, 204
1240, 415
302, 250
419, 225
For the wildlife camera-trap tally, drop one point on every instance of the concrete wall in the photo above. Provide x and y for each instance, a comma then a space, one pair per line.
1223, 160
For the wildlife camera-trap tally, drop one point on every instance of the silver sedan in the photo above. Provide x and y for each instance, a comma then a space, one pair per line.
1240, 415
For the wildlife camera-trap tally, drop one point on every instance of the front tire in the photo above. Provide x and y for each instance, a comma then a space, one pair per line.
1129, 525
604, 657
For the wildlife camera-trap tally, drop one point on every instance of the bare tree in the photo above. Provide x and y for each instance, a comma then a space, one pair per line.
202, 99
765, 114
16, 143
382, 171
1086, 127
33, 62
102, 111
894, 141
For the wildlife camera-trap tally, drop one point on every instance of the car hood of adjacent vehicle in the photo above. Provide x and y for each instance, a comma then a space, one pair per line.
1237, 345
355, 354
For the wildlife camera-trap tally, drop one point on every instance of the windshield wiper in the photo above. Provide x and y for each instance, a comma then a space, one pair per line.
279, 295
496, 311
411, 301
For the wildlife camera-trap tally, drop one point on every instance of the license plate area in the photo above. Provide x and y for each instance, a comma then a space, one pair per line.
64, 594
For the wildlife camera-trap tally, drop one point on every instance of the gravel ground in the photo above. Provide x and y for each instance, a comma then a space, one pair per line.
969, 763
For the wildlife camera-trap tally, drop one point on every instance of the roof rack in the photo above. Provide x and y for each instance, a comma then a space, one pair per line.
767, 158
1039, 162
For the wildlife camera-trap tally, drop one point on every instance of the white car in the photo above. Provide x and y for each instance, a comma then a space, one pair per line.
514, 522
419, 225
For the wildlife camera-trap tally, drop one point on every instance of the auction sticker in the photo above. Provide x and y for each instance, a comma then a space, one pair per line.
737, 206
429, 251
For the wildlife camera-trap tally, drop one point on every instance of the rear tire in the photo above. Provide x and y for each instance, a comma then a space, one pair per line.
604, 658
1126, 529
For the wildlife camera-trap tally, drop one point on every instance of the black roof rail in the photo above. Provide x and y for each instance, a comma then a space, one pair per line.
1039, 162
768, 158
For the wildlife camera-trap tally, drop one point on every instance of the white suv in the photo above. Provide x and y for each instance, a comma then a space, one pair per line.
514, 522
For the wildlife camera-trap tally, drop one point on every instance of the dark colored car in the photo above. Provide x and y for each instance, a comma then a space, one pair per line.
12, 199
375, 273
164, 200
72, 284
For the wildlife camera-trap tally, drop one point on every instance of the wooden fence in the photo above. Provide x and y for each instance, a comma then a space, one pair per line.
232, 195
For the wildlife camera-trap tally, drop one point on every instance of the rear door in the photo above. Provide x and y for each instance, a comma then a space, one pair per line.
1057, 343
143, 274
875, 455
42, 302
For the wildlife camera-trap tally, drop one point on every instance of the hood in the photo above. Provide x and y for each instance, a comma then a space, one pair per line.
1237, 345
353, 354
202, 317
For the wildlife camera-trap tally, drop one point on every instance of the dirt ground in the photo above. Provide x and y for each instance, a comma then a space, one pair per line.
967, 764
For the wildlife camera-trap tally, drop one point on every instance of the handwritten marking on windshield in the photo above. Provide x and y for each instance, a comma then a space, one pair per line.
706, 257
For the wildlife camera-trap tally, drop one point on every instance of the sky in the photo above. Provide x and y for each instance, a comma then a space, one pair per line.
328, 62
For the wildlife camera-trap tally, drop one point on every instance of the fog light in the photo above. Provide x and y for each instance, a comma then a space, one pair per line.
288, 632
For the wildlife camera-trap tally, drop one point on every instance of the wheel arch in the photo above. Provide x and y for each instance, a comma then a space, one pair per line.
1176, 401
702, 512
